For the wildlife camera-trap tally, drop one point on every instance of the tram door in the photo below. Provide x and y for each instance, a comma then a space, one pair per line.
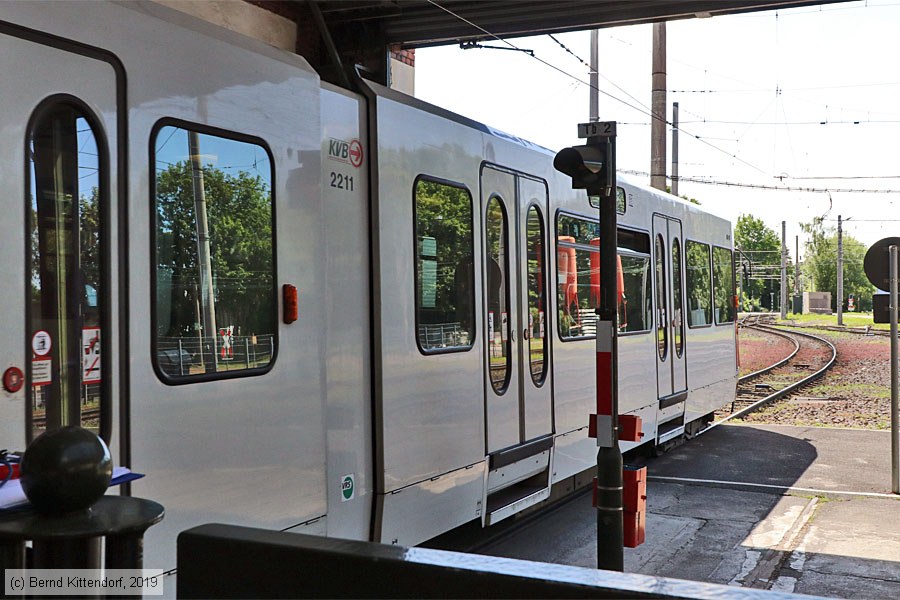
668, 300
517, 387
57, 167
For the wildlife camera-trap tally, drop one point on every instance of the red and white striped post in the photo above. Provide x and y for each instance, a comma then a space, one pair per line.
593, 167
608, 486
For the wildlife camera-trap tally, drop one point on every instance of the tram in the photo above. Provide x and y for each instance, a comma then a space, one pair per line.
305, 308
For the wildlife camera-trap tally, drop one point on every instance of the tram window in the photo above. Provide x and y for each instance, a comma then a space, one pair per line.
66, 198
216, 303
444, 267
723, 285
662, 321
497, 281
578, 278
621, 205
635, 307
633, 240
698, 284
537, 349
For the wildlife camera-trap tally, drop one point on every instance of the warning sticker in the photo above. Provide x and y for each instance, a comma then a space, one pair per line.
41, 343
41, 372
90, 355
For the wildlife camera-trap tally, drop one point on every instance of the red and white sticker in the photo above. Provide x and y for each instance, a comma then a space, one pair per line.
90, 356
41, 371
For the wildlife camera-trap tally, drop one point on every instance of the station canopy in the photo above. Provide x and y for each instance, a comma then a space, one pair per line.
418, 23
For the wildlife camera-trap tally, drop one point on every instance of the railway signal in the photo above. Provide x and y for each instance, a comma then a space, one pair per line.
880, 265
593, 167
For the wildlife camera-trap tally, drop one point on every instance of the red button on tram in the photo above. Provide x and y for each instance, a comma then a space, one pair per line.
13, 380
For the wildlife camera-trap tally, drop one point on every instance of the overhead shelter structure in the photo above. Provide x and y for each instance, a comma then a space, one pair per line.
334, 35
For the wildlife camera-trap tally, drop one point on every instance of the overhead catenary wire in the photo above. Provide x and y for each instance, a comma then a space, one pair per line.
762, 186
605, 93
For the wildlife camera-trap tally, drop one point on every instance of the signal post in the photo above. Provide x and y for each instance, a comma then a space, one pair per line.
593, 167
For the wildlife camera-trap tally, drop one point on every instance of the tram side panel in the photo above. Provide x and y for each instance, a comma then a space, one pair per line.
574, 356
345, 188
61, 128
712, 375
243, 442
429, 399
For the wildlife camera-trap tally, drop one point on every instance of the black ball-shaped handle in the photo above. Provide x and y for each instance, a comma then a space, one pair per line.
65, 470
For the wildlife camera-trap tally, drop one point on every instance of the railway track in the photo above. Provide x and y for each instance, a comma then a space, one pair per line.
811, 358
40, 420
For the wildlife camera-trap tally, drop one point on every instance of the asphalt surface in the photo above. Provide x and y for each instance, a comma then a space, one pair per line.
794, 509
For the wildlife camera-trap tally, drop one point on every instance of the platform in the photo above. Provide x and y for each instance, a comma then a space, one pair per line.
795, 509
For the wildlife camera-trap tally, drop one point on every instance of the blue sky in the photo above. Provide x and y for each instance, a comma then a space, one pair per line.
803, 98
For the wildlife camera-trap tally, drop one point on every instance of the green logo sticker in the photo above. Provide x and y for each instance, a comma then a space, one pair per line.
348, 489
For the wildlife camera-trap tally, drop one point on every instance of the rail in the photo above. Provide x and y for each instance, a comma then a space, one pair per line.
778, 394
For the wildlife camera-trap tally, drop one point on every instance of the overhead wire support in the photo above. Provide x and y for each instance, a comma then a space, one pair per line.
581, 81
471, 45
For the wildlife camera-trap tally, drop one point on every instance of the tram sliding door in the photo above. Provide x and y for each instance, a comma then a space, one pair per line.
668, 299
517, 390
59, 123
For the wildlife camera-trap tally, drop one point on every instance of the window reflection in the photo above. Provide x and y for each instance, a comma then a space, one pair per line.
66, 286
444, 267
536, 327
578, 278
698, 284
498, 339
677, 317
723, 285
216, 305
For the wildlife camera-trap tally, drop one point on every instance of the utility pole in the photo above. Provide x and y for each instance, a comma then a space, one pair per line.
840, 274
797, 266
207, 296
658, 108
784, 270
594, 96
675, 148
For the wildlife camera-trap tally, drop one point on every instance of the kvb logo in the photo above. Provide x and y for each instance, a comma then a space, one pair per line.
349, 152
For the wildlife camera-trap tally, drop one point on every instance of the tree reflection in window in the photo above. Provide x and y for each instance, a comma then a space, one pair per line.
216, 307
723, 285
698, 280
444, 267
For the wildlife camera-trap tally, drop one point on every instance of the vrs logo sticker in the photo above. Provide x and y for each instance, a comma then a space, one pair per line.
348, 488
348, 152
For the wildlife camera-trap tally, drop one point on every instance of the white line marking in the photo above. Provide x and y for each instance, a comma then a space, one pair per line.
778, 487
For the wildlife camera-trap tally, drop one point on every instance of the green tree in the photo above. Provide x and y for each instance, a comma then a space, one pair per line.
239, 214
820, 265
759, 262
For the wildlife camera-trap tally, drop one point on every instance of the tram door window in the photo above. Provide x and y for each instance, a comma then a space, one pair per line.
536, 297
66, 197
669, 297
517, 397
662, 306
497, 292
216, 307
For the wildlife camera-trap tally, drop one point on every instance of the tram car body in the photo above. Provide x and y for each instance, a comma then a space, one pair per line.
165, 181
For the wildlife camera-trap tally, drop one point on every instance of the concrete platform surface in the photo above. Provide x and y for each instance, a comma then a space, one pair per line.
794, 509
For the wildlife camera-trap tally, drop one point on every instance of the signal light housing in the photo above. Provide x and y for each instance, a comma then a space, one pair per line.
590, 167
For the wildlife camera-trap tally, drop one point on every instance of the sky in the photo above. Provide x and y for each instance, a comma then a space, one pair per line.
806, 98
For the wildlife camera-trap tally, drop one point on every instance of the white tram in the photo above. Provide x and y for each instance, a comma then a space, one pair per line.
166, 182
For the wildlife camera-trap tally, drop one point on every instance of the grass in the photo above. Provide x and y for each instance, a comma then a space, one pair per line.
865, 389
850, 320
